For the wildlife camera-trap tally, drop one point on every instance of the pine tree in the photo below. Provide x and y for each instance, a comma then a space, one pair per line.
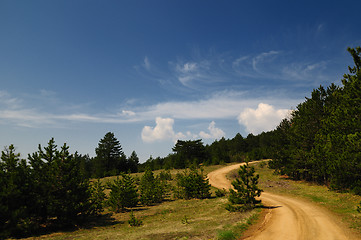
60, 191
15, 189
72, 195
133, 162
110, 159
246, 190
123, 193
342, 132
151, 188
97, 197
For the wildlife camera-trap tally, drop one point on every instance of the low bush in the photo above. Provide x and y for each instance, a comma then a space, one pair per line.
133, 221
221, 192
192, 184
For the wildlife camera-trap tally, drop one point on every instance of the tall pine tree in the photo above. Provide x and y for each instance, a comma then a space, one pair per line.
110, 159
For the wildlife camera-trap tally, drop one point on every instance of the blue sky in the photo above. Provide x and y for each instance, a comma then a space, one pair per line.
153, 72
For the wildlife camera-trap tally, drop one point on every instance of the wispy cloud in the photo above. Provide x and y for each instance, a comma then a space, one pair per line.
192, 73
262, 57
8, 101
146, 63
281, 68
212, 72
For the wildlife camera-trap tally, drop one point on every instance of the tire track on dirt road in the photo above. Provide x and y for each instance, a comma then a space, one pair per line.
289, 218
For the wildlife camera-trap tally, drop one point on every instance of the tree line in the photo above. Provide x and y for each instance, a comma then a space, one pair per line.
110, 160
194, 152
322, 138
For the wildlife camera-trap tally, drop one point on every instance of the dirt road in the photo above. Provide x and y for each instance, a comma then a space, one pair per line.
289, 218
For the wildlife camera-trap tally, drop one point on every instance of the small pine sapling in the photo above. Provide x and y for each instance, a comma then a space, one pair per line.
243, 198
133, 221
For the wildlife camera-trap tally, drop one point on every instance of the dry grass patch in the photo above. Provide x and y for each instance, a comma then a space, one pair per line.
181, 219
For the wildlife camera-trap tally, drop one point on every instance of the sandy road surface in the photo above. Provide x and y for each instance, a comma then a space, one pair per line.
289, 218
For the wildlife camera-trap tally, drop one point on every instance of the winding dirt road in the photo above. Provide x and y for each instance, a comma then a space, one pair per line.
289, 218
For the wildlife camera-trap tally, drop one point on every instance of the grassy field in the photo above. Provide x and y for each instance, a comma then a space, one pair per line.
173, 219
344, 205
208, 219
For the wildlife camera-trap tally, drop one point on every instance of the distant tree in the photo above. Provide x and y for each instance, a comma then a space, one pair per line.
151, 188
220, 151
238, 144
85, 165
123, 193
110, 159
133, 162
246, 190
189, 152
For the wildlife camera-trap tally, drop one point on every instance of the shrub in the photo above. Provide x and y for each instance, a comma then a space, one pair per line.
221, 192
226, 235
192, 184
185, 220
165, 175
97, 197
123, 193
133, 221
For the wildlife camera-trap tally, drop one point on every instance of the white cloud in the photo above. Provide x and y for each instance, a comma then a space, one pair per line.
9, 102
162, 131
214, 133
146, 63
187, 67
128, 113
264, 118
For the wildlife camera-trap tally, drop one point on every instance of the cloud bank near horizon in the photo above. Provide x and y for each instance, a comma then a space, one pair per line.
164, 131
255, 115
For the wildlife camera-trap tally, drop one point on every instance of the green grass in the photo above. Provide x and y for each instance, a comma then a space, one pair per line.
172, 219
